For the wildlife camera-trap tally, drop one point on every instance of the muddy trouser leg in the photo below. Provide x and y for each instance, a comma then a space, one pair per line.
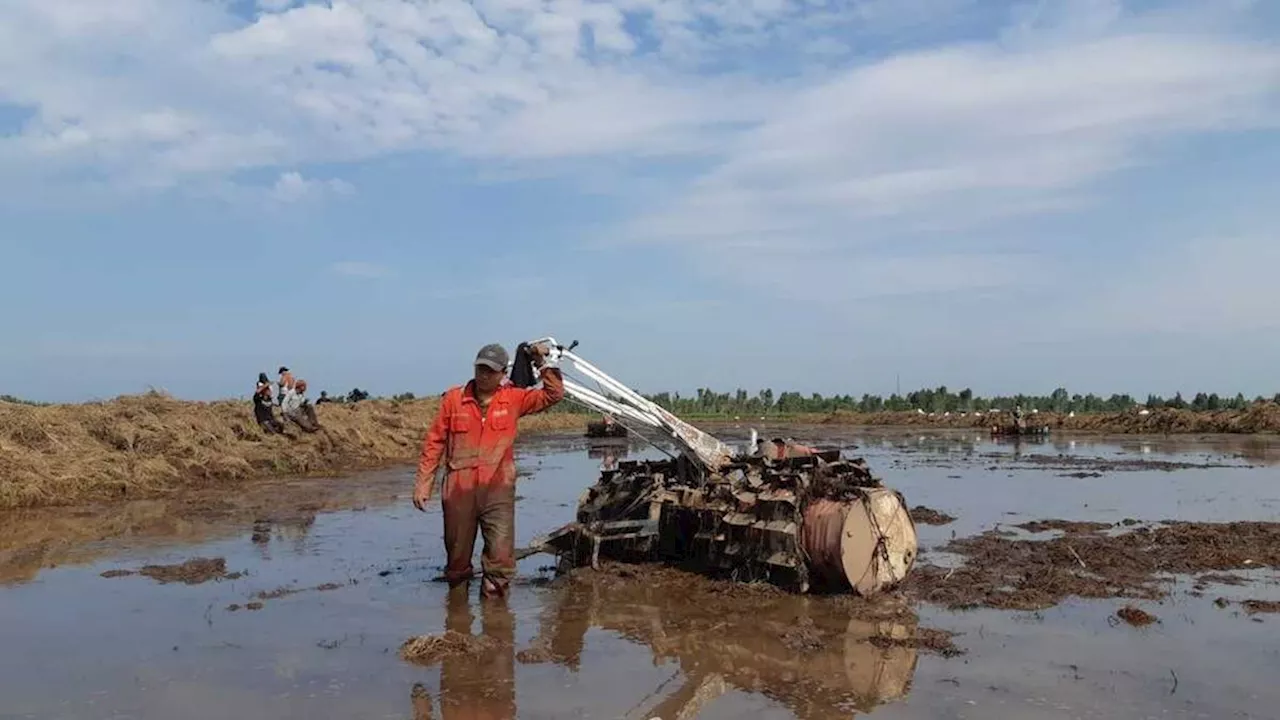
498, 525
460, 518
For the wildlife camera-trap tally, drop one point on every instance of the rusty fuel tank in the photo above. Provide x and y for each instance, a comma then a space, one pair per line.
867, 543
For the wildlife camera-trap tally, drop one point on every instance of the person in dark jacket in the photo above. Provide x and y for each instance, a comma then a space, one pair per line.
262, 407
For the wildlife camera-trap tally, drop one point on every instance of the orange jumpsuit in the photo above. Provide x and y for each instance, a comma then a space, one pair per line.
480, 485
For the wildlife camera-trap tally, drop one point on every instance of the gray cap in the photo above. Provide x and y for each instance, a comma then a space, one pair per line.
493, 357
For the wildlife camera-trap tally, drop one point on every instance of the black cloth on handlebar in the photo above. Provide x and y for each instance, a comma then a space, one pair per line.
522, 373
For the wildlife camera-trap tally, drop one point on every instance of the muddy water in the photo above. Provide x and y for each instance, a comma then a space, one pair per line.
342, 570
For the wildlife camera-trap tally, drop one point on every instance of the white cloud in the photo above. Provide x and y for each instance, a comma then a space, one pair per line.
357, 269
972, 130
292, 187
897, 142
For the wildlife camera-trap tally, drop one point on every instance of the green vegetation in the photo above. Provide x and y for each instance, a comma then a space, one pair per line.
710, 403
18, 401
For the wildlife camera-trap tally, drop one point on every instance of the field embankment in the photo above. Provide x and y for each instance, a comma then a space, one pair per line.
149, 445
1257, 418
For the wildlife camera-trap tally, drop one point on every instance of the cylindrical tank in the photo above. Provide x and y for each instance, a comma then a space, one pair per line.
868, 544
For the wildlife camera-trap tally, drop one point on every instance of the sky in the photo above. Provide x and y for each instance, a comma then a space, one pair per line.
835, 197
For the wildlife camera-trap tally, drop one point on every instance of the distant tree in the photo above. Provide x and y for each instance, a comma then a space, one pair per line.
356, 395
936, 400
402, 397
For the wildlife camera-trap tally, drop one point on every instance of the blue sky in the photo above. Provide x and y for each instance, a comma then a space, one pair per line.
795, 194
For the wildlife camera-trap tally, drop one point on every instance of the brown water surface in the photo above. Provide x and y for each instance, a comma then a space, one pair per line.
292, 599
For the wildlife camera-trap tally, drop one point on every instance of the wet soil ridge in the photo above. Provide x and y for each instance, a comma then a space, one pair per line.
148, 445
1025, 574
922, 515
195, 571
1253, 607
1258, 418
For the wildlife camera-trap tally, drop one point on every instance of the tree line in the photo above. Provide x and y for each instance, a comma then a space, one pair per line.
932, 400
707, 402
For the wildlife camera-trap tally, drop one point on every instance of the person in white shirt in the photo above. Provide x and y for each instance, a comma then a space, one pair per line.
298, 409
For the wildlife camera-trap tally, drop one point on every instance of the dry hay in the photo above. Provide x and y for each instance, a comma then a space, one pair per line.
148, 445
430, 649
1020, 574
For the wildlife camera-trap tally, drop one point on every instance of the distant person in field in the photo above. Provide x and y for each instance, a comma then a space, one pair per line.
298, 409
284, 385
471, 438
263, 408
324, 398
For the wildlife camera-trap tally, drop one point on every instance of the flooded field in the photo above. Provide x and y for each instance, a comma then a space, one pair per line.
293, 600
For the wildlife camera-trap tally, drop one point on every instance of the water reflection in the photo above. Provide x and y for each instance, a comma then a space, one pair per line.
292, 526
723, 642
477, 685
609, 452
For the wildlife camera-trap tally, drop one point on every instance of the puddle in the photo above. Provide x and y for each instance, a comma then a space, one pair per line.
329, 578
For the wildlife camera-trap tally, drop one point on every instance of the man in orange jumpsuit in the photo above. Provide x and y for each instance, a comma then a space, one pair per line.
472, 438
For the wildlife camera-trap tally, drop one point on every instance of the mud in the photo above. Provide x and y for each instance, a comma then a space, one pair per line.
804, 636
936, 641
1257, 418
287, 591
1095, 467
1067, 526
922, 515
1016, 574
431, 649
280, 511
1253, 607
1204, 581
192, 572
1136, 617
